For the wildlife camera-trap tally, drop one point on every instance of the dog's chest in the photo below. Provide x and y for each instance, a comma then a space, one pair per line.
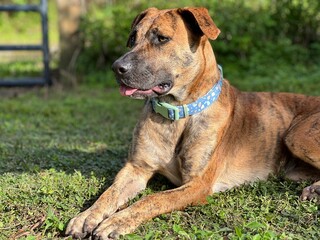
179, 150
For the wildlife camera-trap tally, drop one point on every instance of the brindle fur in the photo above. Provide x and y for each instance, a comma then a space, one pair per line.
241, 138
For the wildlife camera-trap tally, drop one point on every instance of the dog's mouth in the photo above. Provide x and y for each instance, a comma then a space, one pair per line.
158, 90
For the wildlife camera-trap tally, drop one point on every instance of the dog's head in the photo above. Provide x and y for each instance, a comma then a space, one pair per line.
166, 51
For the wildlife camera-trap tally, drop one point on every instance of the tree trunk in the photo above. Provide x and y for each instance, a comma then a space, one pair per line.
70, 13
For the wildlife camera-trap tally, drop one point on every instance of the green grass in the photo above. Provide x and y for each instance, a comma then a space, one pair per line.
276, 78
59, 149
52, 146
25, 27
263, 210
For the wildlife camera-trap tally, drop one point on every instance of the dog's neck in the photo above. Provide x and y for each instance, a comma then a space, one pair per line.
173, 112
209, 74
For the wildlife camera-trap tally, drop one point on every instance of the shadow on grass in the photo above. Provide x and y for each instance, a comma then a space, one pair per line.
103, 163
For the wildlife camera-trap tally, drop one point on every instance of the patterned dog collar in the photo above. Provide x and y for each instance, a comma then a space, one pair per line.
177, 112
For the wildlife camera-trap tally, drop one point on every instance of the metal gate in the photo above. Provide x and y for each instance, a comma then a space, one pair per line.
42, 8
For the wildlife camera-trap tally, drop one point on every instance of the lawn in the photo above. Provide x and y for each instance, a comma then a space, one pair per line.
59, 149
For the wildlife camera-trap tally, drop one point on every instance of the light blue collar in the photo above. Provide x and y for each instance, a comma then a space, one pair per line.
177, 112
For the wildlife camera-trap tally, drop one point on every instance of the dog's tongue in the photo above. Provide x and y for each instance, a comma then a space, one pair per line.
127, 91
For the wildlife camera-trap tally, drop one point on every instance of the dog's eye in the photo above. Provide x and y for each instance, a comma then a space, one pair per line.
162, 39
131, 40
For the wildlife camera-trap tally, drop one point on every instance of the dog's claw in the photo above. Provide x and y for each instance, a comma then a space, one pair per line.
103, 235
77, 235
113, 235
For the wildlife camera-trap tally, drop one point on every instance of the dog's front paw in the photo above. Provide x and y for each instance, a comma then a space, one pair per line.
84, 224
119, 224
311, 192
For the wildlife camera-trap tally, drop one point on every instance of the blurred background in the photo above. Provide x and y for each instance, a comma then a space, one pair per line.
265, 38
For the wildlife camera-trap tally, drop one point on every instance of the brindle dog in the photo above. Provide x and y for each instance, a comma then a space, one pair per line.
239, 138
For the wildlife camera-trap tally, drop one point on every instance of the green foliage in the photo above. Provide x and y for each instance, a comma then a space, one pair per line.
268, 31
20, 68
253, 34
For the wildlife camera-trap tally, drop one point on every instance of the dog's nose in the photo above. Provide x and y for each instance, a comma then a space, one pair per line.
121, 67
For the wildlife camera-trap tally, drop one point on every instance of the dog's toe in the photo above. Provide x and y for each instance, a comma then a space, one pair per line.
105, 235
119, 224
75, 228
91, 222
311, 192
83, 225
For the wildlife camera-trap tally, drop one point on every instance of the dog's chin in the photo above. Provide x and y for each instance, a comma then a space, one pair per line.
137, 93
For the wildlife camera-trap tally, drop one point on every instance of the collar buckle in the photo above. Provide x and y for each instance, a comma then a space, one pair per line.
165, 109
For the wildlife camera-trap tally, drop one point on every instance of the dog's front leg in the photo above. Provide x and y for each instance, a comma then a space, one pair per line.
129, 181
125, 221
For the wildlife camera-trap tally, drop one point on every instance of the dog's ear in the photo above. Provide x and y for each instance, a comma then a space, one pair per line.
200, 21
140, 16
135, 21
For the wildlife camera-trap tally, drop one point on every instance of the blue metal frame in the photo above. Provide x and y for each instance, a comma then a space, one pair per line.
42, 8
